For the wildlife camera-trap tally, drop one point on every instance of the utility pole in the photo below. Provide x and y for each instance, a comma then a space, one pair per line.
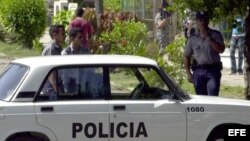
98, 9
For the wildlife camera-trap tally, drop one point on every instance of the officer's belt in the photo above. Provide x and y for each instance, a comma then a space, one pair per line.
210, 66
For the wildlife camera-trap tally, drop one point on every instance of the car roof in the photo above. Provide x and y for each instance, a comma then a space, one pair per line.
84, 59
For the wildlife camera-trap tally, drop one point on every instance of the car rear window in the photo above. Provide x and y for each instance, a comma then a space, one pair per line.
10, 78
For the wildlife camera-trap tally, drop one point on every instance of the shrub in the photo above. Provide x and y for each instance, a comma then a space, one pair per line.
126, 37
112, 4
173, 60
25, 18
37, 46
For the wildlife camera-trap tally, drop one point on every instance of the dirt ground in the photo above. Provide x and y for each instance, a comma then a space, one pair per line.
232, 80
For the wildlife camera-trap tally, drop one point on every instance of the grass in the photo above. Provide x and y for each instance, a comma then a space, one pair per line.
14, 50
119, 83
236, 92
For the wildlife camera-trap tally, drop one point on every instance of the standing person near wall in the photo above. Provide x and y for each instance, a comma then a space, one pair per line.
189, 29
162, 30
83, 24
237, 40
205, 48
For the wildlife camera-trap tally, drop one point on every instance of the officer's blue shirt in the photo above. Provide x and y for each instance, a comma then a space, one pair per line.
201, 49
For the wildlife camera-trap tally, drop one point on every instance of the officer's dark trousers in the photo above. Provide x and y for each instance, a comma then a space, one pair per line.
207, 81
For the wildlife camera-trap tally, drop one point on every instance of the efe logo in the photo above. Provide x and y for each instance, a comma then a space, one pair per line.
237, 132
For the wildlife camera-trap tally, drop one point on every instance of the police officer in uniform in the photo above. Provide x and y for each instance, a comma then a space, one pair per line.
205, 48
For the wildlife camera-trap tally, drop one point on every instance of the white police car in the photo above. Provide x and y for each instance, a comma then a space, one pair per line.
107, 98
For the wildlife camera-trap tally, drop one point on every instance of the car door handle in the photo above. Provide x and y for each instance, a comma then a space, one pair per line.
119, 108
47, 109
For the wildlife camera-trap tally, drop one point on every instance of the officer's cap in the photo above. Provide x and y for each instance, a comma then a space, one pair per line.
202, 15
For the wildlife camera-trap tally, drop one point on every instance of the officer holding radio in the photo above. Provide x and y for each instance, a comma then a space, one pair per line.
205, 48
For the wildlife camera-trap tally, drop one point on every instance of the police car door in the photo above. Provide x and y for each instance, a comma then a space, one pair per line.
77, 109
141, 109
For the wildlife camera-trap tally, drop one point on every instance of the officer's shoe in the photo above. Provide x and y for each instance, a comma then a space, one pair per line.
240, 72
232, 73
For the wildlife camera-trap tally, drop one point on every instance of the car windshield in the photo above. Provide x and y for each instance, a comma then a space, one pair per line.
10, 78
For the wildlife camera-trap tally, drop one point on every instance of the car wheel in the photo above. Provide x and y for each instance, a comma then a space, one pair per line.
219, 140
216, 137
25, 138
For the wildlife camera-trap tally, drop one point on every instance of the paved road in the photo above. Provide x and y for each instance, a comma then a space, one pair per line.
232, 80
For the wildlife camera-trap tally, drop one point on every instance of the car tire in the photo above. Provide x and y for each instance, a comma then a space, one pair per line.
25, 138
217, 136
217, 139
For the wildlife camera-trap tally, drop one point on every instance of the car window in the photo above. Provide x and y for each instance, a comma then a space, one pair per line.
181, 92
76, 83
122, 82
137, 83
153, 78
10, 79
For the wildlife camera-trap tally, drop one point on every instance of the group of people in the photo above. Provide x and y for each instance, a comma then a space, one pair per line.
201, 54
80, 32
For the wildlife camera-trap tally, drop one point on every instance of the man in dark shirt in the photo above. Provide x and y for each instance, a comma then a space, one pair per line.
75, 45
70, 77
57, 34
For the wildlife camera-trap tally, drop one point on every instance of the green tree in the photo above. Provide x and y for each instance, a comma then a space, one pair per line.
26, 19
112, 4
218, 9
